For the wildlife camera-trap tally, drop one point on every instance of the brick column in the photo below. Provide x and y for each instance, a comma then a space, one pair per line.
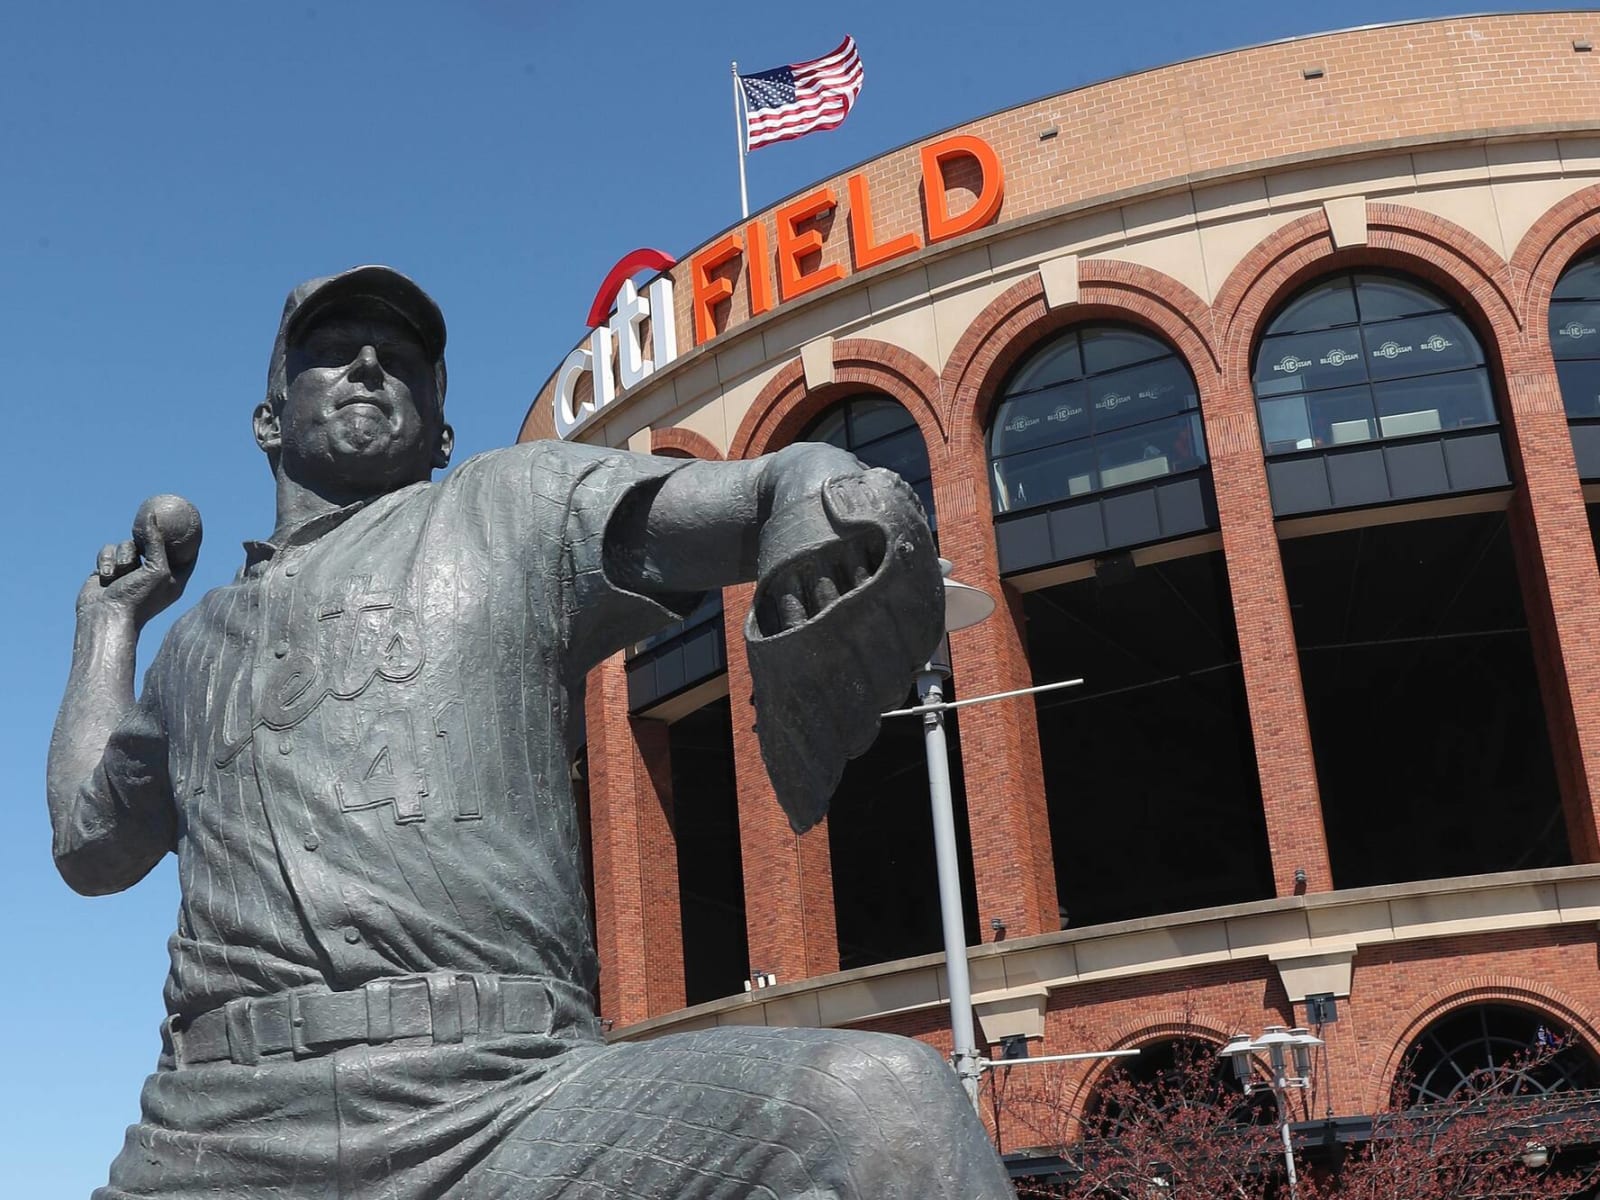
788, 880
1278, 722
638, 916
1560, 590
1013, 862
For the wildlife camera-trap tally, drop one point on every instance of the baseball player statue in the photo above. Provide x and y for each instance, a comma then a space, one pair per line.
382, 971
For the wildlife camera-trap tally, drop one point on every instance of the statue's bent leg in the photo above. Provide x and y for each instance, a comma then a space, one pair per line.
780, 1113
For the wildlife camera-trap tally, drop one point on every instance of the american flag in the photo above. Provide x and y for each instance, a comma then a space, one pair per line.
790, 102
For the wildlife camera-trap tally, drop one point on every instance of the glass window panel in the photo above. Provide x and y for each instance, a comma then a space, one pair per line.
1141, 393
1057, 363
873, 419
1580, 387
1108, 348
1341, 416
903, 453
1057, 414
1303, 361
1143, 453
830, 428
1432, 403
1581, 281
1383, 298
1044, 476
1420, 346
1285, 424
1322, 306
1575, 329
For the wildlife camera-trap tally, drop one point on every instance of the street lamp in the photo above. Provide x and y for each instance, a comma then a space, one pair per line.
1286, 1050
964, 605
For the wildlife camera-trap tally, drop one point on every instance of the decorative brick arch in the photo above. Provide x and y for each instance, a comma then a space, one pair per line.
786, 406
1399, 238
676, 442
1147, 1030
1554, 242
1476, 989
1019, 319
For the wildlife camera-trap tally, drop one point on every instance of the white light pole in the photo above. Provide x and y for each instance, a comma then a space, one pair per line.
963, 606
1285, 1049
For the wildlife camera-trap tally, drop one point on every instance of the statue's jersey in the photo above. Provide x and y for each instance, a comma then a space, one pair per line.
361, 744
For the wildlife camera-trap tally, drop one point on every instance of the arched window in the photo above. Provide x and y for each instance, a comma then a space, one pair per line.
1170, 1075
1495, 1049
1575, 337
881, 433
1363, 357
1100, 407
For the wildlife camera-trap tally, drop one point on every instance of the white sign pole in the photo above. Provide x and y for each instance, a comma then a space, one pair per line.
738, 128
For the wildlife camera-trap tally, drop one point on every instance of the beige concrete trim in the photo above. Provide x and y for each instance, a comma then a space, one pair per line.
639, 440
1060, 279
1020, 1014
1347, 220
1422, 510
816, 358
1316, 974
1306, 937
684, 703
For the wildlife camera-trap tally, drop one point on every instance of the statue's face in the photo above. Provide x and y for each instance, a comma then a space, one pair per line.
362, 412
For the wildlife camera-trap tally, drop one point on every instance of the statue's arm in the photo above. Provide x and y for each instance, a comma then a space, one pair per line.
848, 602
106, 779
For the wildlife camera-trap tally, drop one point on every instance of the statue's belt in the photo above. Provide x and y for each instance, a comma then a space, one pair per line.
446, 1007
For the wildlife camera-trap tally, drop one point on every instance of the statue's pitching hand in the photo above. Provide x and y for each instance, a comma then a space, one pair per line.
136, 577
849, 604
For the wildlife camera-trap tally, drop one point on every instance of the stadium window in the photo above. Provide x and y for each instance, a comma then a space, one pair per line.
881, 433
1496, 1049
1575, 337
1365, 357
1100, 407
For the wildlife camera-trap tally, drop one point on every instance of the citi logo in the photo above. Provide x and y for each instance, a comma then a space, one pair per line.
1289, 364
1111, 400
1575, 329
1018, 424
1337, 357
1392, 350
1065, 412
1437, 343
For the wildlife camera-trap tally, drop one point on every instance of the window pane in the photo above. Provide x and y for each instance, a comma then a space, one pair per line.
1139, 394
1304, 361
1341, 416
1055, 364
1146, 452
1383, 298
873, 419
1321, 307
1056, 414
1110, 349
1434, 402
1044, 476
1285, 424
1419, 346
1580, 387
829, 429
903, 453
1581, 281
1573, 329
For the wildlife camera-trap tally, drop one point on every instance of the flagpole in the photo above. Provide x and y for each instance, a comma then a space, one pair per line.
738, 128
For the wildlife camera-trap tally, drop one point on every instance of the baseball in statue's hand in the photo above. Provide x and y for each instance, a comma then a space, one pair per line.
143, 575
179, 523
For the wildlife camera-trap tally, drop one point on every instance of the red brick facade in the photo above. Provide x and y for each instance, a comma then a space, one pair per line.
1426, 86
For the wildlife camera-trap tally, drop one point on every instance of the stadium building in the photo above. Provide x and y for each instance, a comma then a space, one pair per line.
1263, 391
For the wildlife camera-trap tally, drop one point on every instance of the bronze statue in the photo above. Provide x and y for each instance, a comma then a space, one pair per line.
382, 974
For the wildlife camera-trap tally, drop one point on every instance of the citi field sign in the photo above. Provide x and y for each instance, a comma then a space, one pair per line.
619, 355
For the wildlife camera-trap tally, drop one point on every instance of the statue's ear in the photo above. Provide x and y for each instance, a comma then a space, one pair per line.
265, 423
447, 444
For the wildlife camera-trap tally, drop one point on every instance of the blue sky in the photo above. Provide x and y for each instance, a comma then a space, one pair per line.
169, 170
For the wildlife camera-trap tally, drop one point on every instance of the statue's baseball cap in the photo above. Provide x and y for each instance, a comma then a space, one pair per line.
383, 284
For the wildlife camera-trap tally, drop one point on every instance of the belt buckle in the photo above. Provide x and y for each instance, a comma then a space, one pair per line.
172, 1031
241, 1033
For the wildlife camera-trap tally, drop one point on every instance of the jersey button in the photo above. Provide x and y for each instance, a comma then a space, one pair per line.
311, 842
352, 934
291, 569
281, 649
